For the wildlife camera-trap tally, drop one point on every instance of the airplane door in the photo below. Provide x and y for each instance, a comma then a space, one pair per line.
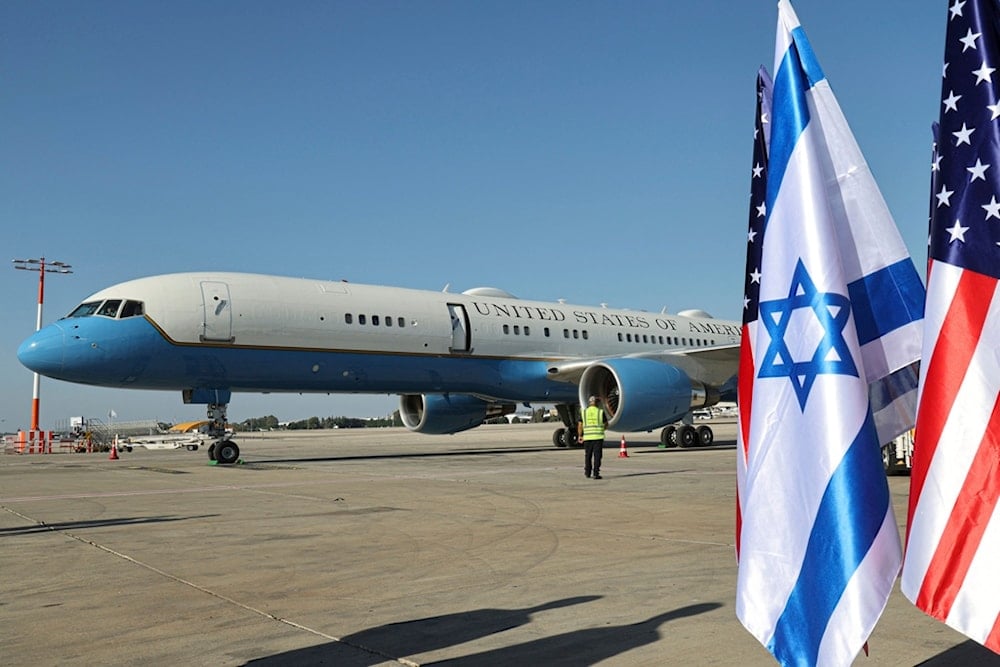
461, 333
218, 316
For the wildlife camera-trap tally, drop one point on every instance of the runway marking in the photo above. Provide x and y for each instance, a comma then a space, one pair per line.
206, 591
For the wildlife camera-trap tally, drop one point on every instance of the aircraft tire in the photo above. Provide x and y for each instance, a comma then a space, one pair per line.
686, 436
705, 436
559, 437
227, 452
211, 452
668, 436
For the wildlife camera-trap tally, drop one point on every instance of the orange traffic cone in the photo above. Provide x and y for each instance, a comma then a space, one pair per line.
114, 450
622, 452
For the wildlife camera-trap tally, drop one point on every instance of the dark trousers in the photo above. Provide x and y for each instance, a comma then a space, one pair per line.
593, 450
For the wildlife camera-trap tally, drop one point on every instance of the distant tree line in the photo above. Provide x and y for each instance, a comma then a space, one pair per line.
271, 423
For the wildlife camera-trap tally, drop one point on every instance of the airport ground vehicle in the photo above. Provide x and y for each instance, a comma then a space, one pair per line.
897, 455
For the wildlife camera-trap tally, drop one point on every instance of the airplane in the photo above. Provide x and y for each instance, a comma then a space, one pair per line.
454, 359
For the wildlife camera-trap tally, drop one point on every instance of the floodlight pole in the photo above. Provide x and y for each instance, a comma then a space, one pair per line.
42, 267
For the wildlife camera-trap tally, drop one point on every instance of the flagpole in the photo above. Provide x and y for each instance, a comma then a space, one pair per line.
42, 267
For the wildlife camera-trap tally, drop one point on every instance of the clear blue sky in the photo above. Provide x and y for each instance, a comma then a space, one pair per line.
592, 151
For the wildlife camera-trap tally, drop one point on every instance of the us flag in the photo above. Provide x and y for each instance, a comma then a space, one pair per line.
751, 285
953, 540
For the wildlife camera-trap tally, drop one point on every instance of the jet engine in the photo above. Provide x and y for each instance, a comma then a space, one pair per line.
643, 394
447, 413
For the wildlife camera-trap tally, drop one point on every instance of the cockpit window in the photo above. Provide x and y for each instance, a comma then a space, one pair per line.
131, 309
110, 308
85, 309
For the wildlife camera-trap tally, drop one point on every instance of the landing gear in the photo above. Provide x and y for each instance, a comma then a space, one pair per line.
684, 435
222, 450
227, 452
566, 436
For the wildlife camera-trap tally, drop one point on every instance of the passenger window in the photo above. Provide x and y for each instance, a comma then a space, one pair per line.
527, 330
131, 309
621, 337
388, 321
506, 328
565, 333
374, 320
545, 331
576, 333
361, 319
401, 322
586, 334
110, 308
348, 318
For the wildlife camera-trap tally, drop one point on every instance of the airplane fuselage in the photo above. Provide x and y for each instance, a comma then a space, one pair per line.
454, 359
255, 333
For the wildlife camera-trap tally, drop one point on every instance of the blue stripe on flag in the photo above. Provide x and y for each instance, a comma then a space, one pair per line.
887, 299
849, 518
788, 103
885, 392
809, 62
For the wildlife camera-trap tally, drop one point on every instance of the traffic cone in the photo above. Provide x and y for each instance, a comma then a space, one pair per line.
622, 452
114, 450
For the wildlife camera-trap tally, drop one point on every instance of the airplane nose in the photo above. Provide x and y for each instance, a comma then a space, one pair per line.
43, 351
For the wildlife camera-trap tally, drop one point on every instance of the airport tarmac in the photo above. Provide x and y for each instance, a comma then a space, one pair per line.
384, 547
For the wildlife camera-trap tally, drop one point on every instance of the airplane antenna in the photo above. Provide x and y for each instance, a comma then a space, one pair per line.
446, 286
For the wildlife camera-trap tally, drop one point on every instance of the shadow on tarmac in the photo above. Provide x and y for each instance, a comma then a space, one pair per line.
412, 455
608, 447
966, 654
94, 523
408, 638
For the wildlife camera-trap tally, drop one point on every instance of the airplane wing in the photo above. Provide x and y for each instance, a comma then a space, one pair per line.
711, 365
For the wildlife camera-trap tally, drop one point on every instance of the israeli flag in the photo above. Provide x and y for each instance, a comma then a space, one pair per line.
838, 336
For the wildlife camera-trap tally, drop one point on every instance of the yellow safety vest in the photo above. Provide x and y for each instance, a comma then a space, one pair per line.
593, 423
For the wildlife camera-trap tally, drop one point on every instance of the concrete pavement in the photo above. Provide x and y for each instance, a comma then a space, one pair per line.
383, 547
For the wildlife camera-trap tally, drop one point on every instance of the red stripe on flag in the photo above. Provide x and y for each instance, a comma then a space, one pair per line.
993, 639
744, 387
943, 373
744, 399
966, 525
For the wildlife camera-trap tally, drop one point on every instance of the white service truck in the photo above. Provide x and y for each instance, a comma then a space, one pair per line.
897, 454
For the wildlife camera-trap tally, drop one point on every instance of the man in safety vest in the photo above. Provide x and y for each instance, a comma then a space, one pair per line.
590, 429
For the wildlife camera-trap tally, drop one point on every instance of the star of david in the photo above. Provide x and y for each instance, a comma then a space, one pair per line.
832, 355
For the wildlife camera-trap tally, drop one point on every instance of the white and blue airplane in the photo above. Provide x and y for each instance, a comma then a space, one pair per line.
454, 359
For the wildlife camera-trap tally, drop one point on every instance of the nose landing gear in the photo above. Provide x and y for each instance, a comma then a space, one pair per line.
222, 450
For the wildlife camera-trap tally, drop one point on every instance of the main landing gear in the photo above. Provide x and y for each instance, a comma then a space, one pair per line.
566, 437
222, 450
685, 435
